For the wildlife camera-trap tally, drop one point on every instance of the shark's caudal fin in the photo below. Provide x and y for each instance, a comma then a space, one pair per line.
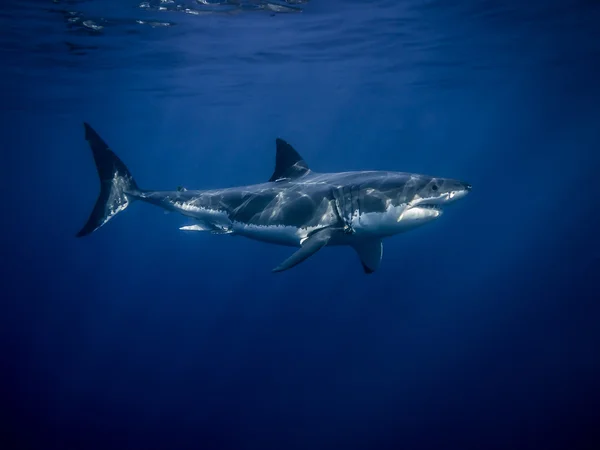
116, 183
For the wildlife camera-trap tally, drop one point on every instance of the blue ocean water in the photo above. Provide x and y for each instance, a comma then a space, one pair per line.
479, 331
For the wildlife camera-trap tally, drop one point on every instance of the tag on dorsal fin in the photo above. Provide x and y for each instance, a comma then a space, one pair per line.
370, 253
288, 162
310, 246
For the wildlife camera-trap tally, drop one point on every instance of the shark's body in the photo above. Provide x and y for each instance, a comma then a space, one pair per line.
296, 207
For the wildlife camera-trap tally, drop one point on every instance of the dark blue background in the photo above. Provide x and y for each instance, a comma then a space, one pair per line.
479, 331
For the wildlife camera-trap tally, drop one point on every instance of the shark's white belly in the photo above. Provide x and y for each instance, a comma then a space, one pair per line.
362, 225
274, 234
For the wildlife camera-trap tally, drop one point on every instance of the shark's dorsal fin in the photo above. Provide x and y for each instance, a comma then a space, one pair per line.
288, 163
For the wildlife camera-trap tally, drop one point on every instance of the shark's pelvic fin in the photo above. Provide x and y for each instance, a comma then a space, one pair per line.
201, 226
195, 227
310, 246
116, 183
288, 162
370, 253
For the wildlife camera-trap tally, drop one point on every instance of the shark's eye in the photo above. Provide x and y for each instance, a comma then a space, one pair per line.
434, 187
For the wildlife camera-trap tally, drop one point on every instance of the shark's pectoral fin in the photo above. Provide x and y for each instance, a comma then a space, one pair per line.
370, 253
310, 246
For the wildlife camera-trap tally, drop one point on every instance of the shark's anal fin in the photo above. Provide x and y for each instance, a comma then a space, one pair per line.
370, 253
288, 163
310, 246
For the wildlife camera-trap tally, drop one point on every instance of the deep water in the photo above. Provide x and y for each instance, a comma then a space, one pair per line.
479, 331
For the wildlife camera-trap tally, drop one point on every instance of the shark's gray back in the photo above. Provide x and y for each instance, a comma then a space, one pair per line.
309, 201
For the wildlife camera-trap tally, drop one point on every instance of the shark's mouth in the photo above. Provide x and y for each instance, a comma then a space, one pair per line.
428, 206
421, 211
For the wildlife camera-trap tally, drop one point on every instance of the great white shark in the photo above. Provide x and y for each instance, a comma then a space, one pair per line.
296, 207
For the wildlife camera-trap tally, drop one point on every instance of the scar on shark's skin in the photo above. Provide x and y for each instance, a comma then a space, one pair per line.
296, 207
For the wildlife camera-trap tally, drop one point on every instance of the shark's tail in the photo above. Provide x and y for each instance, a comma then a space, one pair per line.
117, 186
